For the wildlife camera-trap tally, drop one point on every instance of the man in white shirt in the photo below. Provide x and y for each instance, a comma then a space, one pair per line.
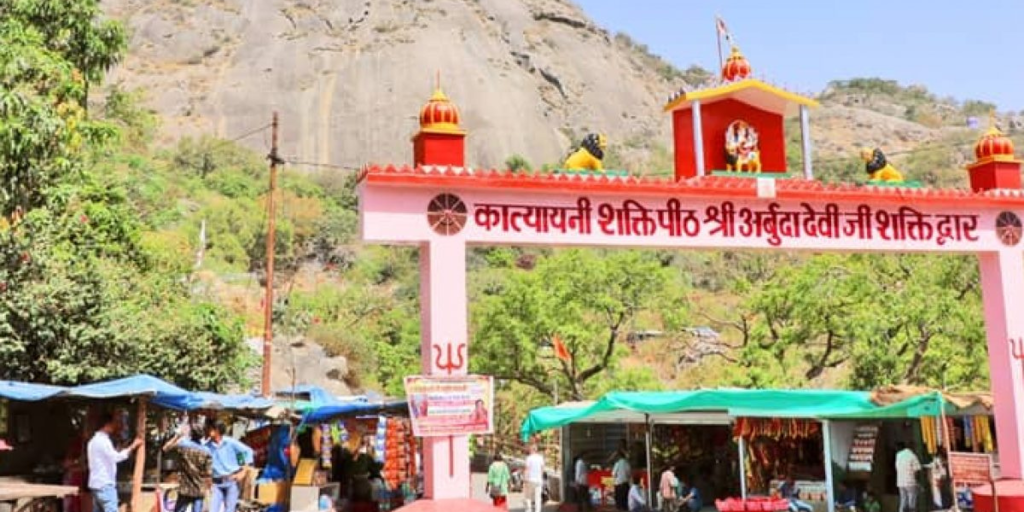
103, 460
533, 486
907, 467
582, 486
621, 475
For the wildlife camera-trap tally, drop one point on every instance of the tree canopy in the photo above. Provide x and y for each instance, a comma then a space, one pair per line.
590, 301
84, 295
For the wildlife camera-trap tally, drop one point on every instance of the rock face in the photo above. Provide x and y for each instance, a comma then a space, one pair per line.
349, 76
300, 361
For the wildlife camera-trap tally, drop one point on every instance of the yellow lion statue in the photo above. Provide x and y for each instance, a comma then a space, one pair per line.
878, 167
589, 155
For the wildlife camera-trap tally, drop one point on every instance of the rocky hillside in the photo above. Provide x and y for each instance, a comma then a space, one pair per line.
349, 76
531, 76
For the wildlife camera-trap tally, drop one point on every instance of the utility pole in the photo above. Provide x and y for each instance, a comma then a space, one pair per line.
268, 307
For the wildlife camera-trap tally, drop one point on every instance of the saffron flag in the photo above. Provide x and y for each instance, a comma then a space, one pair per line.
722, 30
561, 351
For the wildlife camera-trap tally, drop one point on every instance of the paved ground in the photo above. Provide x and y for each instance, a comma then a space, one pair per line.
515, 500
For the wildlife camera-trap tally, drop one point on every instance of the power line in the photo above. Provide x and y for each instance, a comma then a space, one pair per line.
322, 164
250, 133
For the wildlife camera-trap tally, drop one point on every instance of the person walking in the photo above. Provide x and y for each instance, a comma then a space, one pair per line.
498, 477
228, 455
621, 476
103, 459
195, 469
907, 466
533, 486
580, 478
667, 490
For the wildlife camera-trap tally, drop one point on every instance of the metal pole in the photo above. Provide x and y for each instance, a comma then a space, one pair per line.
268, 307
698, 138
743, 469
949, 448
718, 38
649, 439
826, 440
805, 138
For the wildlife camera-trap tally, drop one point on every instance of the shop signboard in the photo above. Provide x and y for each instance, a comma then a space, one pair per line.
450, 405
970, 468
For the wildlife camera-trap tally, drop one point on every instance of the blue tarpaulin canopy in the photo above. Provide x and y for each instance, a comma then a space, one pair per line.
354, 408
233, 402
27, 392
163, 393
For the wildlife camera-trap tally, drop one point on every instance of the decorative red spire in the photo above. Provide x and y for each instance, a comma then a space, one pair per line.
440, 140
993, 145
736, 66
439, 115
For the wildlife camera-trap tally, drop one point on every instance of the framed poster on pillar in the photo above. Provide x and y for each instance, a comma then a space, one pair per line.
450, 405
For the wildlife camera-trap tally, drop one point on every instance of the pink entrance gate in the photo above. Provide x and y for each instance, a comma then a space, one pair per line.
442, 207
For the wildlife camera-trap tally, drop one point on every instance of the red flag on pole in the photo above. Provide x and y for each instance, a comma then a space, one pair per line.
561, 351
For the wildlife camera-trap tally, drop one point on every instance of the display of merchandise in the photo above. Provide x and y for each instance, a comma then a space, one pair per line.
259, 441
380, 439
326, 444
978, 434
862, 451
399, 459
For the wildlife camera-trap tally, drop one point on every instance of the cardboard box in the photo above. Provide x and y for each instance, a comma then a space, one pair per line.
273, 493
304, 473
307, 497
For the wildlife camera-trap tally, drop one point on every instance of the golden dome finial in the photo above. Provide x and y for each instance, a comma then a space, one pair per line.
993, 145
438, 94
439, 115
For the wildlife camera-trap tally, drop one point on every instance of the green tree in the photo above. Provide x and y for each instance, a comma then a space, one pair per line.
43, 128
589, 300
82, 297
884, 319
72, 29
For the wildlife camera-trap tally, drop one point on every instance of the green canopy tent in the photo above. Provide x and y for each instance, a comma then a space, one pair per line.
650, 408
721, 405
672, 406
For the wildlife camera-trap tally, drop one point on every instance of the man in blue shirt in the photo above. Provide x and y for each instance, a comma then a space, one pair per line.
789, 491
689, 496
229, 456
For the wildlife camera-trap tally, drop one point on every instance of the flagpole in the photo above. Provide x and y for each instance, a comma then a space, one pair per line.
718, 38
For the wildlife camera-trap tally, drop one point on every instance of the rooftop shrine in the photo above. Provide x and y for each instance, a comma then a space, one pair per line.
731, 130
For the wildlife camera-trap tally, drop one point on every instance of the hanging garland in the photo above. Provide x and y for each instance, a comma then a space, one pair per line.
749, 429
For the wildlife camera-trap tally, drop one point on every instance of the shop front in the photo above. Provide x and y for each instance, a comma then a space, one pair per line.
735, 446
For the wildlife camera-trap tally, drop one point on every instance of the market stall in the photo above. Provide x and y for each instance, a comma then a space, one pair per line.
688, 420
26, 425
359, 453
932, 424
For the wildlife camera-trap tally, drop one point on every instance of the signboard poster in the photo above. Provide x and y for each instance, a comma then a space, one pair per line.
970, 468
450, 406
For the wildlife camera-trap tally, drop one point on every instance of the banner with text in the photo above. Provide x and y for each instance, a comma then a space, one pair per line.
446, 406
970, 468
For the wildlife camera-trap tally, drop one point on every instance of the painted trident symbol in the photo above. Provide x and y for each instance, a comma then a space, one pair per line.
1017, 350
452, 361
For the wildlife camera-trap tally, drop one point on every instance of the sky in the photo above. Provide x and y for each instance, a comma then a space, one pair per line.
965, 49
